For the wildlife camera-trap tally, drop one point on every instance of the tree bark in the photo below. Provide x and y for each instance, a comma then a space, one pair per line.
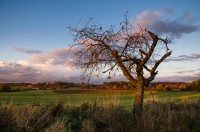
139, 96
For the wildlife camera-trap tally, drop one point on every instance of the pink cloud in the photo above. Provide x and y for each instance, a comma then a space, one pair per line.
23, 71
52, 66
38, 59
62, 53
63, 56
147, 18
17, 72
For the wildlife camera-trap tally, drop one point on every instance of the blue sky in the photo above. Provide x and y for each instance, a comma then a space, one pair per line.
33, 35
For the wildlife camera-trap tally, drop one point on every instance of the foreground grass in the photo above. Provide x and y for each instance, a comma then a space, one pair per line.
78, 97
157, 116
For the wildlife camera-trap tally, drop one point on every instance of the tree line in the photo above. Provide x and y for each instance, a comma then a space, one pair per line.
122, 85
9, 87
155, 86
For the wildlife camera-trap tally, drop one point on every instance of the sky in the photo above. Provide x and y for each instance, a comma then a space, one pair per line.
35, 42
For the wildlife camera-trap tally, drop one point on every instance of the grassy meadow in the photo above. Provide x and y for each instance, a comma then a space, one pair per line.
80, 96
98, 110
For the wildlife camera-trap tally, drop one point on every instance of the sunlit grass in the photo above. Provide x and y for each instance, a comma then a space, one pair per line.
124, 98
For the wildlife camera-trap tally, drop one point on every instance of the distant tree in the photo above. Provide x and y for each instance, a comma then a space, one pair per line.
125, 87
133, 51
196, 85
114, 87
5, 88
160, 87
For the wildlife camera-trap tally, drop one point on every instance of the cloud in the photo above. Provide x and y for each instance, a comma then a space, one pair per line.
63, 56
174, 27
24, 71
198, 74
62, 53
26, 51
19, 71
186, 71
53, 66
162, 22
2, 64
57, 64
96, 80
147, 18
177, 78
100, 80
182, 58
178, 68
39, 59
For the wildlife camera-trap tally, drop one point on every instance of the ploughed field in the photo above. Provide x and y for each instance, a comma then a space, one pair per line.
80, 96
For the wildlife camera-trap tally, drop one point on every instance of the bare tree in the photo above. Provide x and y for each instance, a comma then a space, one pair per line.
135, 52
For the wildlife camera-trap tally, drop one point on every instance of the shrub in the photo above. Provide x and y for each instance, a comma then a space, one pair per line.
167, 88
159, 87
32, 118
7, 120
57, 126
5, 88
167, 117
197, 121
21, 88
72, 120
185, 87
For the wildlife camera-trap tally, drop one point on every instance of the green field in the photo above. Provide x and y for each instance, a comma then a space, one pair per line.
77, 97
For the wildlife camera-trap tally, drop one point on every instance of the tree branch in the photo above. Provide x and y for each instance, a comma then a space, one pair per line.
110, 68
153, 71
148, 55
161, 60
123, 68
145, 67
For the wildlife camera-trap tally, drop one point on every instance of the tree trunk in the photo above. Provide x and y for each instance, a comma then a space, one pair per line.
139, 96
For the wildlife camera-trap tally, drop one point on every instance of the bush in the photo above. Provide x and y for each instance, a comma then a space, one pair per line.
167, 88
21, 88
160, 87
5, 88
7, 120
185, 87
167, 117
33, 118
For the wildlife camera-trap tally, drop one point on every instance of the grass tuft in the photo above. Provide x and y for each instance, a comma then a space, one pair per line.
97, 117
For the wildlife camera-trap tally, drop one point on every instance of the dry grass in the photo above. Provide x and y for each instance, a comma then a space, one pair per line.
167, 117
107, 116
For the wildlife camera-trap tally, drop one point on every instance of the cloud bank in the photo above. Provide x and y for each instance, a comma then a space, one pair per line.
163, 22
63, 56
45, 68
19, 71
55, 65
